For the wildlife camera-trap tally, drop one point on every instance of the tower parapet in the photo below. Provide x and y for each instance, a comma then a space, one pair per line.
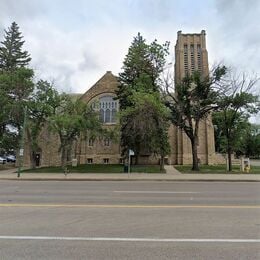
190, 54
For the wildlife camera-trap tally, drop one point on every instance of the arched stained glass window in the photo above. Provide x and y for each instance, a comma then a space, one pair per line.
108, 109
101, 115
113, 119
107, 116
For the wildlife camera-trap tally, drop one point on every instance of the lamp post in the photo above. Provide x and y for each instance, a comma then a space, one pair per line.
21, 150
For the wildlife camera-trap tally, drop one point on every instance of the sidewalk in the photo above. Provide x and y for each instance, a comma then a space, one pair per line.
173, 176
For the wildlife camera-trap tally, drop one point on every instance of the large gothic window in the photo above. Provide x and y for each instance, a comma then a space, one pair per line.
107, 116
108, 108
113, 115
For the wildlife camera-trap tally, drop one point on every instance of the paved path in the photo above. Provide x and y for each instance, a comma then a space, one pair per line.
171, 170
173, 176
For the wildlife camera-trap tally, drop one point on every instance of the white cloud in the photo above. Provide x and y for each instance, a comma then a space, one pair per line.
74, 43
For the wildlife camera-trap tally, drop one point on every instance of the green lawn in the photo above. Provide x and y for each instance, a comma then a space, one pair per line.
216, 169
99, 168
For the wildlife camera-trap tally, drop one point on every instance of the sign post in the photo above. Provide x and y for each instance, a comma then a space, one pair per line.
130, 152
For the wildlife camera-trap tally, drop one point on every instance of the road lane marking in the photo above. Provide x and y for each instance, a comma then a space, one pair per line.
157, 192
123, 239
128, 206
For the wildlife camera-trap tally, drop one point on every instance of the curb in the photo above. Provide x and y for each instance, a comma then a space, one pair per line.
111, 179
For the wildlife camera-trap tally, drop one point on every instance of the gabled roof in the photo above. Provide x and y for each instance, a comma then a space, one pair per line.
108, 83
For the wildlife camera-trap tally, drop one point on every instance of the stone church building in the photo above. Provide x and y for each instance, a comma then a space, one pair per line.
190, 55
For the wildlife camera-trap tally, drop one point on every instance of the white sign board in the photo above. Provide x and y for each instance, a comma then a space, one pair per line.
131, 152
21, 152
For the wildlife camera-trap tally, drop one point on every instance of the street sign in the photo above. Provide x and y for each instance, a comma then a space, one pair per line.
131, 152
21, 152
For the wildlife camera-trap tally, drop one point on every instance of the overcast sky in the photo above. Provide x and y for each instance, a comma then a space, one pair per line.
73, 43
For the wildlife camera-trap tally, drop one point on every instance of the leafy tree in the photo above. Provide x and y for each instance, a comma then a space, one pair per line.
252, 142
11, 54
16, 88
235, 104
8, 142
20, 89
142, 68
142, 135
194, 99
43, 104
72, 119
4, 111
239, 132
16, 85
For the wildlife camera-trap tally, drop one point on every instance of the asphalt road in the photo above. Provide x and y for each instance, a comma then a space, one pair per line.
129, 220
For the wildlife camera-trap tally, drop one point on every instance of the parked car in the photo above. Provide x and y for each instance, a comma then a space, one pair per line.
2, 160
10, 158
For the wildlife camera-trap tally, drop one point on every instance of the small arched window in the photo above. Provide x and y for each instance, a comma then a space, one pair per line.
91, 142
106, 142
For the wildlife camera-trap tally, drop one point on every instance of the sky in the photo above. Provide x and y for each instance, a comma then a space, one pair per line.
74, 42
